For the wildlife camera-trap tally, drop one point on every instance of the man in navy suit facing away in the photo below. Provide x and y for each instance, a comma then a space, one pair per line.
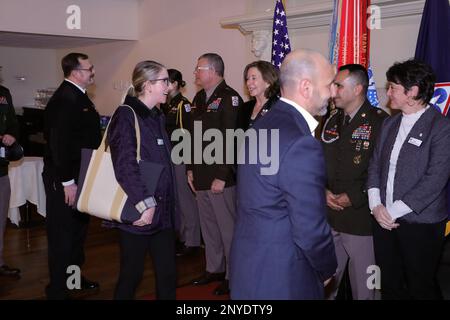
282, 245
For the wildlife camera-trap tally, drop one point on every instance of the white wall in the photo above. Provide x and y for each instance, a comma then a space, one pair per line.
395, 41
38, 66
174, 33
110, 19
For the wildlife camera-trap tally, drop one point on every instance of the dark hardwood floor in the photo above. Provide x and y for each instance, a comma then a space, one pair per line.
26, 248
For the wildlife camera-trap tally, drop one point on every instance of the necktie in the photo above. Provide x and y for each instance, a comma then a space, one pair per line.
346, 120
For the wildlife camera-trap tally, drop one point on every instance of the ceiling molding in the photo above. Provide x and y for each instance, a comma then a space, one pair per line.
42, 41
318, 14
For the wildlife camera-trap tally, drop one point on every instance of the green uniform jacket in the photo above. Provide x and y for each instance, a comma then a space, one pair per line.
218, 112
178, 113
347, 154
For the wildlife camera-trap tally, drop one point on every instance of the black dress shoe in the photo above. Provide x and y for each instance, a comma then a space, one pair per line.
209, 277
222, 289
56, 294
9, 272
187, 251
88, 285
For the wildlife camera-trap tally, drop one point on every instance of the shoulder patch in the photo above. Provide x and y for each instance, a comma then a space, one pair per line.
235, 101
187, 107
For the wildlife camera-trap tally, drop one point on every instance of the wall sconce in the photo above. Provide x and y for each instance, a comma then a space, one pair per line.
21, 78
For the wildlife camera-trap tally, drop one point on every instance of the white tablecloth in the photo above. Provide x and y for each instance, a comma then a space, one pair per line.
26, 184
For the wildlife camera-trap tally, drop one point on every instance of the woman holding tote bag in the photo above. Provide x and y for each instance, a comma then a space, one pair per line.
154, 232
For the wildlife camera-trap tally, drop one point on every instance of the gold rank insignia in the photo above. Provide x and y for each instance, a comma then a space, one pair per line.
357, 159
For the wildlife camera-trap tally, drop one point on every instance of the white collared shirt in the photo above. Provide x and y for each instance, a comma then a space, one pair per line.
312, 123
82, 90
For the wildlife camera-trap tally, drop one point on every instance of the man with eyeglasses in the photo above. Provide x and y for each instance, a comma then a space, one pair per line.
216, 107
71, 123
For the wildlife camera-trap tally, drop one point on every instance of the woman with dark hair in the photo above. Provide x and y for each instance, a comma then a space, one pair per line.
154, 232
178, 116
178, 108
407, 179
261, 79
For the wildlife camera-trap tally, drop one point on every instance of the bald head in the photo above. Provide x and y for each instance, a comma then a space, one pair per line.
306, 78
298, 65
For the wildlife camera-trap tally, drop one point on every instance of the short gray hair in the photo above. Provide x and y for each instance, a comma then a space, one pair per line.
215, 61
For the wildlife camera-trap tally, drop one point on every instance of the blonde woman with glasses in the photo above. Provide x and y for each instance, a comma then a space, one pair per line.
153, 232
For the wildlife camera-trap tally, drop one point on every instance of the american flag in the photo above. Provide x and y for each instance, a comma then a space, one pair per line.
280, 38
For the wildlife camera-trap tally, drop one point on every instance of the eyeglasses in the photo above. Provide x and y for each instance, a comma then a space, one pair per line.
166, 80
202, 68
90, 69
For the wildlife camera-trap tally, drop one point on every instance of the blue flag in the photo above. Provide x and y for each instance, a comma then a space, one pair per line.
372, 94
433, 47
433, 43
281, 45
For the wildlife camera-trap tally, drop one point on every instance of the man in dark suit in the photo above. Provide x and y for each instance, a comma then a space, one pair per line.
9, 131
71, 123
282, 245
348, 146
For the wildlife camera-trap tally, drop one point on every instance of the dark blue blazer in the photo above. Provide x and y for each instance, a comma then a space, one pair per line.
422, 171
71, 123
282, 245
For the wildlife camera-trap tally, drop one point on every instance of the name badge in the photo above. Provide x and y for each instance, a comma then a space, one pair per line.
415, 141
160, 142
